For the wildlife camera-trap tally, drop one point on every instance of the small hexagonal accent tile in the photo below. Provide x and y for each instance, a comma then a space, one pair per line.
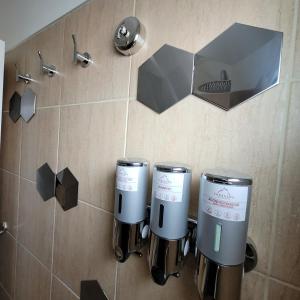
66, 189
28, 105
165, 78
45, 182
91, 290
240, 63
15, 107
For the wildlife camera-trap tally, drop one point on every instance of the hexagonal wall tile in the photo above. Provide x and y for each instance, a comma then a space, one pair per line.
165, 78
240, 63
15, 107
45, 182
28, 101
66, 189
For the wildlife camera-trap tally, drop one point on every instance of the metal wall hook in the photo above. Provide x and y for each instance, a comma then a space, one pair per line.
50, 70
83, 58
3, 228
25, 77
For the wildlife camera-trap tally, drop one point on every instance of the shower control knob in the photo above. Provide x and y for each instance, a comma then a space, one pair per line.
145, 231
129, 36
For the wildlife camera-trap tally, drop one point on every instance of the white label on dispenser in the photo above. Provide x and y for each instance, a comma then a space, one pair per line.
127, 178
169, 186
228, 203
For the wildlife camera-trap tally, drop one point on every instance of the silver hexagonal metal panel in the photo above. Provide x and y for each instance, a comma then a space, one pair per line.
15, 107
66, 189
165, 78
239, 64
28, 101
45, 182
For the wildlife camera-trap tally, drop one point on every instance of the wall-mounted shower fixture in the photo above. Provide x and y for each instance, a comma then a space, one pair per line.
3, 228
91, 290
169, 238
223, 216
129, 36
64, 186
22, 106
50, 70
26, 78
239, 64
84, 59
130, 226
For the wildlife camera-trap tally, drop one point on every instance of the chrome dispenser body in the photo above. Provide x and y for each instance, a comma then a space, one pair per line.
130, 229
169, 220
223, 217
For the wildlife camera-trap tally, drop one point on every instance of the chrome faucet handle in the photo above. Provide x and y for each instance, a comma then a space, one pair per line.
50, 70
25, 77
3, 228
83, 58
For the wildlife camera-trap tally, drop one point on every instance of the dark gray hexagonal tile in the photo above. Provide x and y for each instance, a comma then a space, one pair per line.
91, 290
45, 182
66, 189
240, 63
15, 107
165, 78
28, 105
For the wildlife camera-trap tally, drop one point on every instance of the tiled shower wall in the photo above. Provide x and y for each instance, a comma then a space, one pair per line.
87, 118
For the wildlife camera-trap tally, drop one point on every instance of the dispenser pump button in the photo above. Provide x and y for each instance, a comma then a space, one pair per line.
218, 232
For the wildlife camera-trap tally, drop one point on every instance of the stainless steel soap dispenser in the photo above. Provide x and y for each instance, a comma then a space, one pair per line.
223, 217
169, 220
130, 207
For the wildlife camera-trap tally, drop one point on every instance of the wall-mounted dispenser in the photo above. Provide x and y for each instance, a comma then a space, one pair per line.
237, 65
223, 217
130, 228
129, 36
169, 220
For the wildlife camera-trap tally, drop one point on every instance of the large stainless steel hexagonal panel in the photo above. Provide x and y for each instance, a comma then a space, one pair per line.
28, 105
45, 182
240, 63
165, 78
15, 107
66, 189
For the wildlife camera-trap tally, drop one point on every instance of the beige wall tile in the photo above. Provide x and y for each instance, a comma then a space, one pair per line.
287, 243
83, 247
191, 25
33, 279
245, 139
16, 56
253, 287
36, 222
296, 73
7, 262
9, 192
94, 25
50, 43
278, 291
40, 142
91, 140
134, 282
10, 144
60, 292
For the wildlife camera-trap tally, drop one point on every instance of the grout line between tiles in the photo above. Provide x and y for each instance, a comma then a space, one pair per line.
34, 256
5, 291
287, 95
66, 286
297, 288
96, 207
